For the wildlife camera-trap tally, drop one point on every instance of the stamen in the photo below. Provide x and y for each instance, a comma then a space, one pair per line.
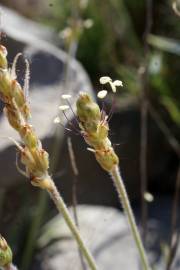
112, 109
103, 116
66, 96
18, 167
115, 84
113, 87
16, 143
91, 150
148, 197
102, 94
63, 107
77, 131
105, 79
75, 116
118, 83
175, 8
57, 120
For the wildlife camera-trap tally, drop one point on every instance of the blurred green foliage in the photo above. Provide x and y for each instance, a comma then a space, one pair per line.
114, 45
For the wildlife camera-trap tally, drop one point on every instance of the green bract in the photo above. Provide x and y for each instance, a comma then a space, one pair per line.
95, 131
5, 253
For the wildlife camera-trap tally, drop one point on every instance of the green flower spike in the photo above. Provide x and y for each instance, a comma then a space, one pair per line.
5, 253
94, 128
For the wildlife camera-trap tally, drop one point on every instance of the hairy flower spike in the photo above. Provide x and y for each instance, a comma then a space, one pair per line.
13, 117
17, 110
88, 111
3, 59
32, 155
28, 135
5, 253
95, 131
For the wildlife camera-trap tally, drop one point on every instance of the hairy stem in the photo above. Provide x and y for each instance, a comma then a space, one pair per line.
74, 192
58, 201
34, 230
118, 182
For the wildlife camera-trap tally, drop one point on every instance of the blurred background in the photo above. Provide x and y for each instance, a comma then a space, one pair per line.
70, 44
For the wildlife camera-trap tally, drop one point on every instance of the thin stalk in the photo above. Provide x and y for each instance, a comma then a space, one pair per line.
144, 122
2, 198
174, 240
174, 143
58, 201
34, 230
74, 192
143, 167
118, 182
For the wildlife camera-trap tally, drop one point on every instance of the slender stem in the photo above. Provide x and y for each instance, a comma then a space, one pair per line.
165, 130
74, 192
34, 230
118, 182
2, 198
174, 240
144, 121
143, 166
58, 201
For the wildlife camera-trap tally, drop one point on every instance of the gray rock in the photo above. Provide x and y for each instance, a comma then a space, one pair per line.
106, 233
46, 86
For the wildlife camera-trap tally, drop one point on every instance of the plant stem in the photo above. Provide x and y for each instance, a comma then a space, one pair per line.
74, 192
143, 166
58, 201
144, 120
174, 239
118, 182
34, 229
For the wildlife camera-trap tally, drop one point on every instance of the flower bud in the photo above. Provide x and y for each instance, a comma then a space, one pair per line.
41, 158
5, 253
26, 111
28, 160
3, 57
5, 83
28, 135
17, 93
87, 110
103, 130
44, 183
107, 159
13, 117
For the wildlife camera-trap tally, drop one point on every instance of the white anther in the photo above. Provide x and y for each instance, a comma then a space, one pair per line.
118, 83
105, 79
102, 94
148, 197
57, 120
64, 96
64, 107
